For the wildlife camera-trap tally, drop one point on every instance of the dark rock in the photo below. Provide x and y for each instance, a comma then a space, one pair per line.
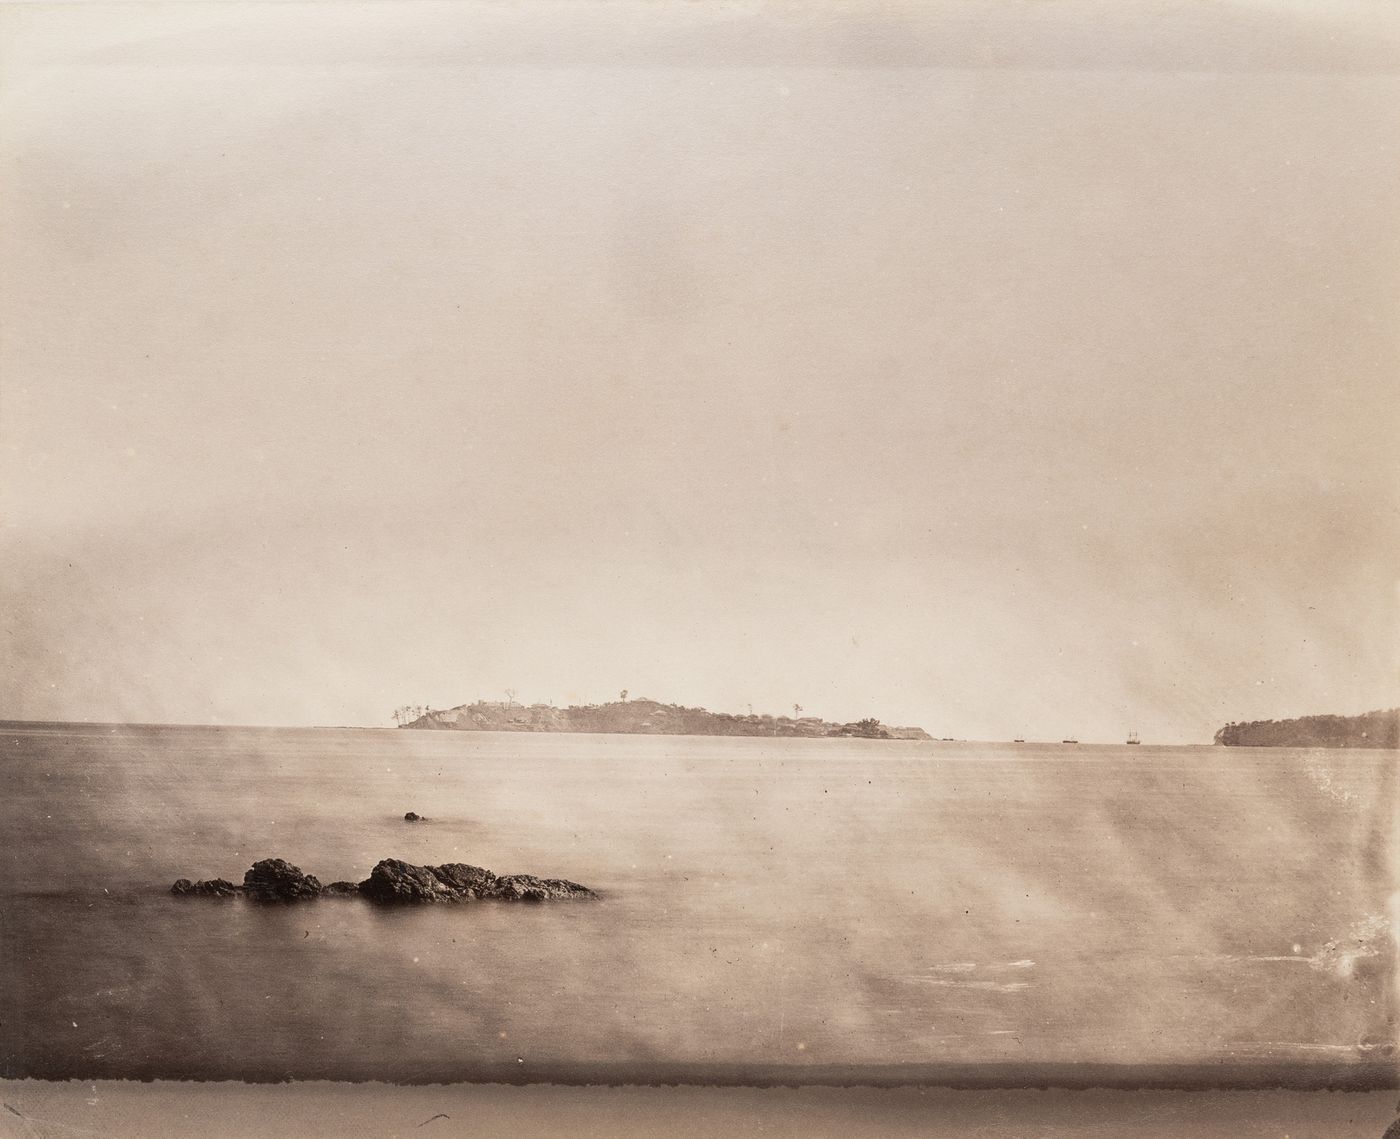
472, 880
528, 888
209, 888
214, 887
394, 880
414, 817
277, 880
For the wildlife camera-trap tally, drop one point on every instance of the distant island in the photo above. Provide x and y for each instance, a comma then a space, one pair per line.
640, 717
1370, 729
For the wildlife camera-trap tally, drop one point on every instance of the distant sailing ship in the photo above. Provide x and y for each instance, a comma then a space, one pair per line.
1133, 738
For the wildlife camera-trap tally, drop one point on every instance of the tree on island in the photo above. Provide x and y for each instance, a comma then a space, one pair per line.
1378, 729
642, 715
408, 713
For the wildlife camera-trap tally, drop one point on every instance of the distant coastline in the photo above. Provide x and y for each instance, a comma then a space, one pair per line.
1380, 729
641, 717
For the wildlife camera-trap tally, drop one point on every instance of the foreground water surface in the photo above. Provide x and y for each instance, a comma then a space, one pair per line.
768, 905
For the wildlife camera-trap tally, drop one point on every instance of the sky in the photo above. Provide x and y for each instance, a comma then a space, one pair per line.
1015, 370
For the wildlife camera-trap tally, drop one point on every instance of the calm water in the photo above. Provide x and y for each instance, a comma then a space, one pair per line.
811, 903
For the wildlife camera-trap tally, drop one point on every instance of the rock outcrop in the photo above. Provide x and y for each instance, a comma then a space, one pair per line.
391, 882
470, 879
277, 880
208, 888
414, 817
394, 880
528, 888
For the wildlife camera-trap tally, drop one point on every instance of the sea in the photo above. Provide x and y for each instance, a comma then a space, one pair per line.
770, 911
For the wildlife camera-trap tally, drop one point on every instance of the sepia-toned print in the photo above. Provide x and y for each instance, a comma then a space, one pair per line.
645, 568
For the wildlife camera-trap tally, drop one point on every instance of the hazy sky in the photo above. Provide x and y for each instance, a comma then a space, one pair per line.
1021, 369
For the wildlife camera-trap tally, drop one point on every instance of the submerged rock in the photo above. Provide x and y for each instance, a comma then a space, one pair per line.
207, 888
277, 880
414, 817
341, 890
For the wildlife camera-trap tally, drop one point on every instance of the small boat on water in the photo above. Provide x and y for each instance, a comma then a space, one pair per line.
1133, 738
1018, 741
1069, 741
